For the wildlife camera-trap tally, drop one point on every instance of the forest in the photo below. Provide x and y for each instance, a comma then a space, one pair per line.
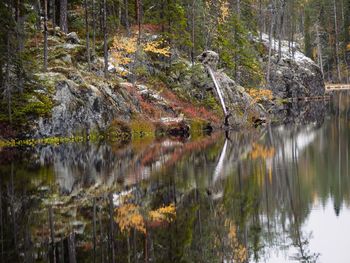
321, 27
137, 33
174, 130
141, 42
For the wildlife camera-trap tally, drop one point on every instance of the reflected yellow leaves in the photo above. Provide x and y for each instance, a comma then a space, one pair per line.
163, 214
240, 253
130, 216
263, 152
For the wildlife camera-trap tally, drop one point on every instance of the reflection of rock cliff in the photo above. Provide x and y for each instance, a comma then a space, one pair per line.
300, 112
84, 165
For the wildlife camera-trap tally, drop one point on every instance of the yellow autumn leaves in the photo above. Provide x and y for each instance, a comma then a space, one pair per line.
157, 47
129, 216
258, 94
123, 48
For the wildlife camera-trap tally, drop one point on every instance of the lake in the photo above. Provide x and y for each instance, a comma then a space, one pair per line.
275, 194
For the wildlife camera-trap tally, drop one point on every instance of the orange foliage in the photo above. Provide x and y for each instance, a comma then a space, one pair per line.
154, 112
190, 110
259, 94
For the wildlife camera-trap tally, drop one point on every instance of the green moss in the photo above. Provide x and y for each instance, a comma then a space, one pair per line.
49, 80
40, 106
141, 72
199, 127
142, 128
118, 131
47, 141
212, 103
26, 106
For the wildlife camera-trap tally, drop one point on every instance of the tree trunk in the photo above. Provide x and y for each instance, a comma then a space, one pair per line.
54, 13
336, 41
138, 11
20, 32
260, 20
105, 47
63, 16
101, 16
270, 47
87, 34
281, 29
193, 31
319, 48
7, 78
45, 36
93, 26
126, 14
237, 55
120, 12
37, 6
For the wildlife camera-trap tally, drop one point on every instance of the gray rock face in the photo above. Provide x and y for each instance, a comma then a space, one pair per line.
242, 109
82, 109
293, 75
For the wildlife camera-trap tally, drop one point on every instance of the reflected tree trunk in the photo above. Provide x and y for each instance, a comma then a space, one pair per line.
52, 234
1, 223
71, 248
111, 227
101, 236
94, 228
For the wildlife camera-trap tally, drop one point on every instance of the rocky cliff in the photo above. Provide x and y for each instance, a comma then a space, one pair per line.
239, 107
69, 99
293, 74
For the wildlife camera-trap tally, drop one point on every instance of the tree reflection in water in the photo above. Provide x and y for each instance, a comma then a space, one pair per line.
243, 197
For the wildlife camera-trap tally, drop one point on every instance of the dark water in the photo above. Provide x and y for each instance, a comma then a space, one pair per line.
279, 194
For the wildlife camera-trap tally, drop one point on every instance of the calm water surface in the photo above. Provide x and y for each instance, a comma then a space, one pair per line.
280, 194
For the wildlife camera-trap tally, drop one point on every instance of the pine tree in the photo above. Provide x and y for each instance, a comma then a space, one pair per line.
236, 52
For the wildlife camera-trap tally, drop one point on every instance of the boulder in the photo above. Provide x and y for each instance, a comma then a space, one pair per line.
72, 38
177, 127
242, 110
293, 74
